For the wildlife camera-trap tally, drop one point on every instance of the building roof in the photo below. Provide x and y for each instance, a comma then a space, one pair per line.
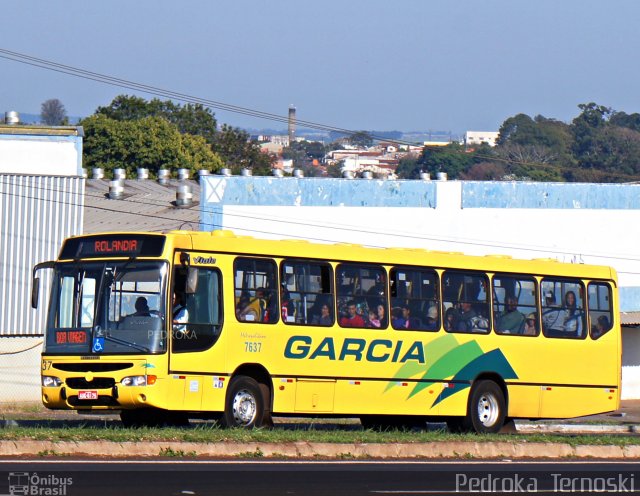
146, 205
630, 318
19, 129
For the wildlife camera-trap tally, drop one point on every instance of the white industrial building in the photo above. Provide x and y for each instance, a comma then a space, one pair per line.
577, 223
41, 203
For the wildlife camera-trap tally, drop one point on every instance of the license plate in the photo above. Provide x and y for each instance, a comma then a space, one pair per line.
87, 395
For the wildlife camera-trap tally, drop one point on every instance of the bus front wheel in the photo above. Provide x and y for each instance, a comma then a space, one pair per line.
246, 404
487, 408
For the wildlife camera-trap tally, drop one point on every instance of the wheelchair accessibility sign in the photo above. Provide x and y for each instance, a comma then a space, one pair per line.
98, 345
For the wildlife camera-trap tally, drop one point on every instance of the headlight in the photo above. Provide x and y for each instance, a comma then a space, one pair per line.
49, 381
138, 380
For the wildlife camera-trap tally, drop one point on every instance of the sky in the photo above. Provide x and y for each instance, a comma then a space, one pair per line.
356, 64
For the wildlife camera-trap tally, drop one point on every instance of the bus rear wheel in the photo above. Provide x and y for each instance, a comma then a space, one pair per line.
487, 408
246, 404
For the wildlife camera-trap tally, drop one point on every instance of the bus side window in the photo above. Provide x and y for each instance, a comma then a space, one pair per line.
306, 293
600, 311
563, 308
362, 296
515, 305
255, 283
415, 299
465, 298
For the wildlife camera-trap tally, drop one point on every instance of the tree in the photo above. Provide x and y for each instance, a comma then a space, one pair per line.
361, 138
451, 159
53, 113
239, 152
151, 142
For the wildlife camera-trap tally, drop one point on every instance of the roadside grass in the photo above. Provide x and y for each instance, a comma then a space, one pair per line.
211, 433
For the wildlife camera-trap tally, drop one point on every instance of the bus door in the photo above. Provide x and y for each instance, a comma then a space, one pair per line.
197, 359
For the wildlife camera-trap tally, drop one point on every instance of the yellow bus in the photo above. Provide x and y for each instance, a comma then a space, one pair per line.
167, 327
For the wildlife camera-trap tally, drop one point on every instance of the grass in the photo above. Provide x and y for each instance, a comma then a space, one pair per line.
210, 433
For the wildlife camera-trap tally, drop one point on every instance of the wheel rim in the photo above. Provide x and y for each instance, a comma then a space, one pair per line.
244, 407
488, 410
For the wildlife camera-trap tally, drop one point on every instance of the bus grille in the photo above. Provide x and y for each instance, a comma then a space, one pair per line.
97, 383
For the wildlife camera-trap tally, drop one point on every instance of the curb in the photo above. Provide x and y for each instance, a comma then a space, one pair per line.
468, 450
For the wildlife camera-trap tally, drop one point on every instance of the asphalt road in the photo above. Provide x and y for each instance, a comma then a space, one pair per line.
311, 478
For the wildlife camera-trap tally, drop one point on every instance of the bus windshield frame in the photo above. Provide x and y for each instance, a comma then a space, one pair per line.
109, 307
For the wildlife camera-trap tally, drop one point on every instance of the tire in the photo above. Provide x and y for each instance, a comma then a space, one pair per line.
247, 404
487, 408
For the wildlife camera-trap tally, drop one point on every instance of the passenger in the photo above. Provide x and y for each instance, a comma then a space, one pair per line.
410, 322
432, 319
324, 318
180, 314
352, 319
449, 318
373, 321
245, 311
397, 320
511, 321
530, 326
142, 307
382, 314
601, 327
287, 309
573, 316
464, 317
552, 316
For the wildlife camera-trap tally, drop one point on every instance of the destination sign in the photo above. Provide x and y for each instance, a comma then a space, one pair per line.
113, 245
71, 337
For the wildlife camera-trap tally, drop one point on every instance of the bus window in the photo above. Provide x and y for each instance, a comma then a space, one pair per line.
202, 311
255, 290
600, 314
415, 301
362, 296
562, 308
515, 305
465, 301
306, 293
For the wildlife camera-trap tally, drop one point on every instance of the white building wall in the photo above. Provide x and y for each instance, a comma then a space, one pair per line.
530, 220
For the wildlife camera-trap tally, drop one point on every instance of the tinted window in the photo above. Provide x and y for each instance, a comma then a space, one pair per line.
362, 296
515, 305
255, 290
563, 308
306, 293
415, 302
600, 310
465, 301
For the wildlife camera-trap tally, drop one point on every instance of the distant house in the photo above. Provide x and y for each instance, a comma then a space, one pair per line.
476, 138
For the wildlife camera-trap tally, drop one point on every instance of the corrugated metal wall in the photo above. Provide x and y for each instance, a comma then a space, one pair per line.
36, 213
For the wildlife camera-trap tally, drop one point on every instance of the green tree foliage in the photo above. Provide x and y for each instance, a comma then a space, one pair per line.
239, 152
53, 113
361, 138
452, 159
150, 142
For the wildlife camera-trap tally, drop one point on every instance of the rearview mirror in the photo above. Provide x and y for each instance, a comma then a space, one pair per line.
35, 292
192, 281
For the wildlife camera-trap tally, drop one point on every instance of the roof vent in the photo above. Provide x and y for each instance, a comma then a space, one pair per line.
441, 176
203, 172
277, 172
84, 173
119, 174
184, 196
97, 173
12, 117
246, 172
367, 175
143, 173
299, 173
225, 172
425, 176
116, 189
163, 177
183, 174
348, 174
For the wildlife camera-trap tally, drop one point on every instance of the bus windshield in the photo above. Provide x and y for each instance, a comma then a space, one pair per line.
107, 307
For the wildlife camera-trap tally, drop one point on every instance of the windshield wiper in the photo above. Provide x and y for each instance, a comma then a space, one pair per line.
127, 343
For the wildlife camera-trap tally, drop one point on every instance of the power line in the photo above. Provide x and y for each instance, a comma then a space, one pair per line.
351, 228
154, 90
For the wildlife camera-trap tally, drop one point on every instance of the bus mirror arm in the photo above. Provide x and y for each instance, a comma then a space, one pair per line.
35, 282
